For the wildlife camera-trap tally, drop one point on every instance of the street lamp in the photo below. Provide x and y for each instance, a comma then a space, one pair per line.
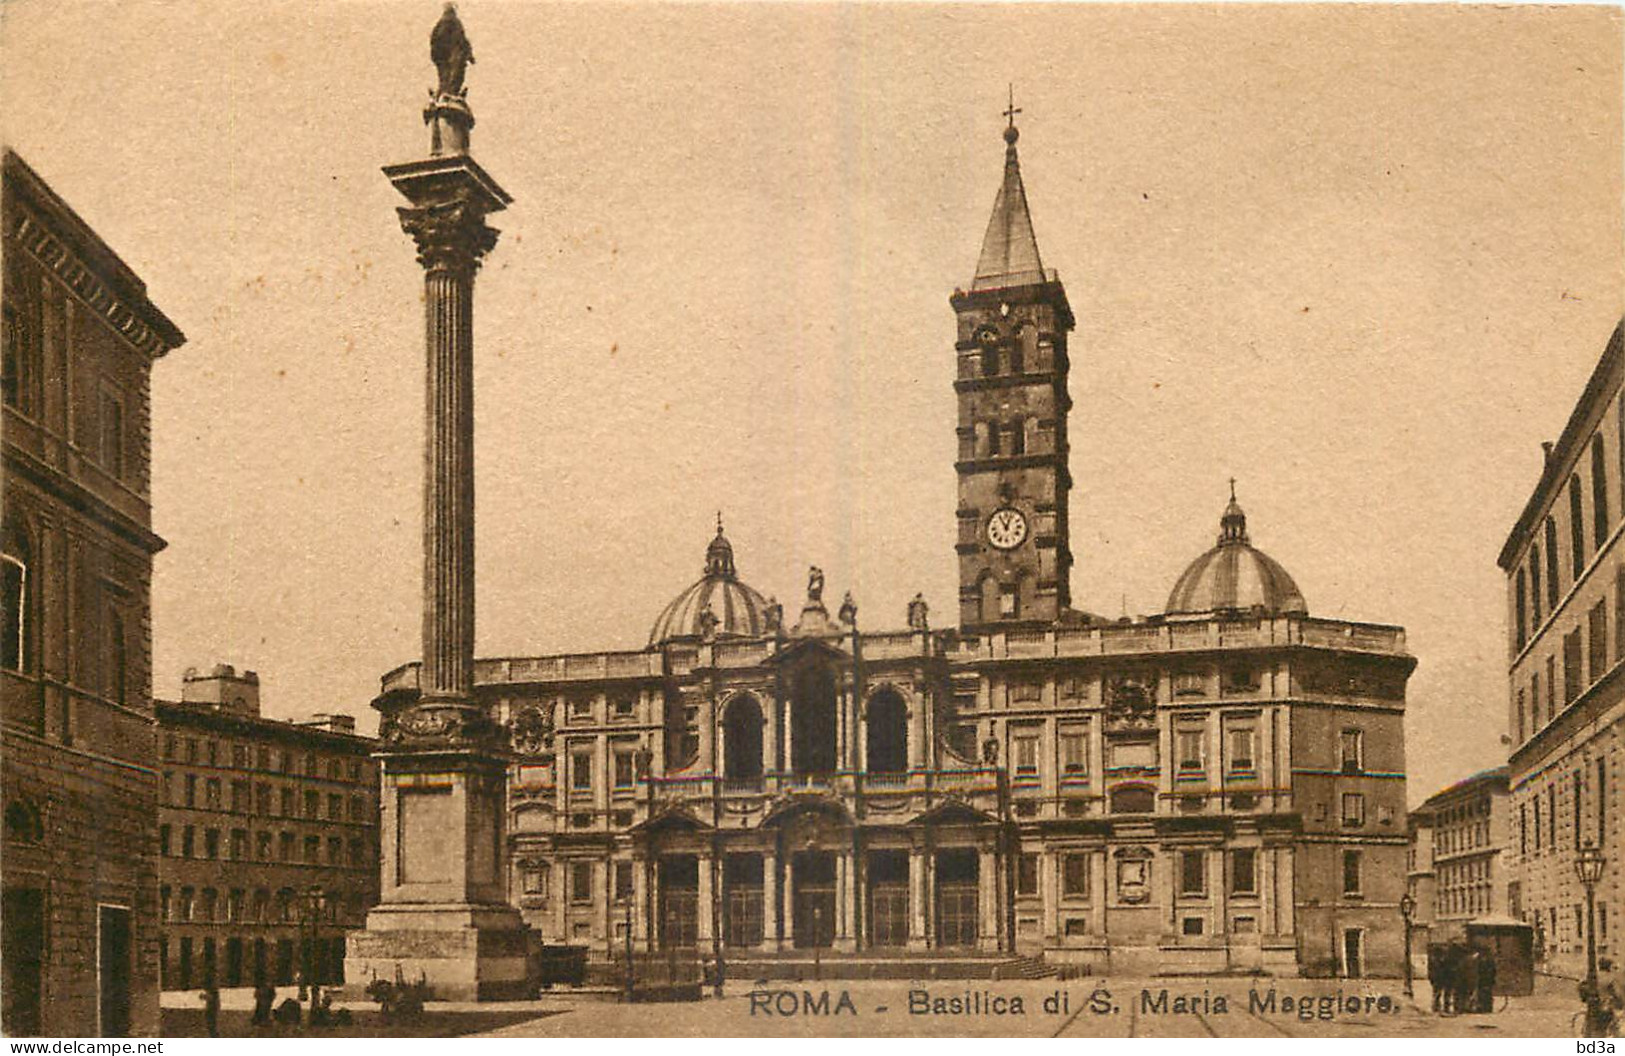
631, 979
1589, 865
1407, 907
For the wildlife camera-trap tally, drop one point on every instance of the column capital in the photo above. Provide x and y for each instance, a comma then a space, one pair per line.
450, 236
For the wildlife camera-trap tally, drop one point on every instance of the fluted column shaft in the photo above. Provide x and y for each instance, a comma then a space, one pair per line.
451, 237
448, 485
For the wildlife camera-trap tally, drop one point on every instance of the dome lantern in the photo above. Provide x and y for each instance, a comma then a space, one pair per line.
1234, 576
717, 605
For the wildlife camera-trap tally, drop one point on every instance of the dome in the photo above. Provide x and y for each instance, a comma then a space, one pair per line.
737, 608
1235, 576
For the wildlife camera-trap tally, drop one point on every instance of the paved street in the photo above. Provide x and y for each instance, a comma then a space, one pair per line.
1094, 1008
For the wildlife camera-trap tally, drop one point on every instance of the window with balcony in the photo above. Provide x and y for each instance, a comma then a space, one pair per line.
1074, 746
1243, 757
1188, 742
1024, 754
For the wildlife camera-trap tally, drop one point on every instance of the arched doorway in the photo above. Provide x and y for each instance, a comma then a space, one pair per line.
742, 740
887, 733
812, 721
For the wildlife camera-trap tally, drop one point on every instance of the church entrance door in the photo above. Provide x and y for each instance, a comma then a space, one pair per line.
814, 899
888, 898
958, 874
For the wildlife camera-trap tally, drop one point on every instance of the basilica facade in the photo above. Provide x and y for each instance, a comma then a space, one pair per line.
1220, 787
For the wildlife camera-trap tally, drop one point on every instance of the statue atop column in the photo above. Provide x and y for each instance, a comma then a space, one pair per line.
447, 115
450, 52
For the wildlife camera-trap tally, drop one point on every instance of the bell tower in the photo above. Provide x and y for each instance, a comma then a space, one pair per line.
1015, 557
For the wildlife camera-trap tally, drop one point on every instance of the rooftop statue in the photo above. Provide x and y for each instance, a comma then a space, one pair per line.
450, 51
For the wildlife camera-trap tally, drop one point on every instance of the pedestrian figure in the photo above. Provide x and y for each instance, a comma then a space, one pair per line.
264, 1001
1486, 981
1438, 973
1466, 989
211, 1007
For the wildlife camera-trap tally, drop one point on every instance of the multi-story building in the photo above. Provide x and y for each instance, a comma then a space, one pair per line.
1566, 700
267, 837
1421, 882
1466, 826
78, 925
1218, 787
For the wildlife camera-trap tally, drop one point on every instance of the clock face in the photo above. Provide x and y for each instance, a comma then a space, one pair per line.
1007, 528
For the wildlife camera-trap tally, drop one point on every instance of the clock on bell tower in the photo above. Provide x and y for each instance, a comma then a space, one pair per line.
1015, 557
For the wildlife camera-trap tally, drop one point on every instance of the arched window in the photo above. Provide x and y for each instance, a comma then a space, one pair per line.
1577, 528
1534, 588
1134, 799
1551, 564
1018, 437
812, 721
993, 439
1599, 494
990, 598
886, 731
1522, 630
742, 739
16, 601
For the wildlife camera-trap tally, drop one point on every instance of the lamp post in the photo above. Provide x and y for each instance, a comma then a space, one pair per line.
1589, 865
631, 979
818, 942
1407, 907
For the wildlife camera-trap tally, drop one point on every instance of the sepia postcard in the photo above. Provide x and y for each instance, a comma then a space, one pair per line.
948, 520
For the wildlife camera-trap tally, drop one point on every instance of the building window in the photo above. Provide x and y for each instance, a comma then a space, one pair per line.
533, 879
1523, 828
313, 850
1351, 873
1572, 673
1551, 564
624, 770
188, 842
1008, 609
1075, 875
285, 851
580, 882
184, 910
624, 707
1242, 749
163, 840
1243, 871
1353, 809
1190, 749
580, 709
581, 771
335, 850
1598, 629
1074, 752
1534, 588
1521, 615
1192, 872
14, 636
1192, 926
1599, 495
313, 805
1520, 717
1027, 873
623, 881
1602, 801
1351, 751
1551, 815
262, 846
239, 844
1577, 528
1551, 688
1024, 749
112, 433
1579, 801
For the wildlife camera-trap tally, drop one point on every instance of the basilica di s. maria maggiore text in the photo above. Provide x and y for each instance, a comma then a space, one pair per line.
1219, 788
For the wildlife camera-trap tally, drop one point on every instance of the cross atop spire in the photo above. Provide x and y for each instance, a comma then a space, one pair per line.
1232, 493
1012, 110
1009, 249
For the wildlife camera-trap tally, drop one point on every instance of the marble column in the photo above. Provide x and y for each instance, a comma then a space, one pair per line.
917, 863
770, 901
443, 911
707, 904
987, 901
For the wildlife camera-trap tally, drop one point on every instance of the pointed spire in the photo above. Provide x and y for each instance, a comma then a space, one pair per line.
1009, 249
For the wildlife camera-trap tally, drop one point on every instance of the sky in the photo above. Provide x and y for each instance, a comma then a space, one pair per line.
1360, 258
